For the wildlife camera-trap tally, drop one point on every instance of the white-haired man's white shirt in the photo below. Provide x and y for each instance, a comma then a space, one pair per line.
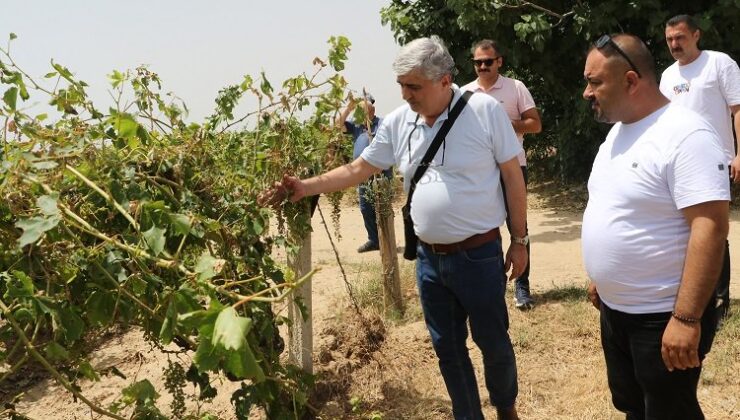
460, 193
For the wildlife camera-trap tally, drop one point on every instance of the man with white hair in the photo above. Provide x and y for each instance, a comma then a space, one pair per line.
457, 209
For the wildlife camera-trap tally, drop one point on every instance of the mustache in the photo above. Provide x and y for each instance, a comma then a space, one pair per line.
677, 49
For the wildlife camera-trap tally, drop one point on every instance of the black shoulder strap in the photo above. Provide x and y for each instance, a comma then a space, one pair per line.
438, 139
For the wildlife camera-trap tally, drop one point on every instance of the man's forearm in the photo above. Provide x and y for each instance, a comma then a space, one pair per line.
703, 263
526, 126
516, 196
529, 122
340, 178
342, 117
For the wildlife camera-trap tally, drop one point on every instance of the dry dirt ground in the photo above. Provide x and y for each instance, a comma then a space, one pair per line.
561, 368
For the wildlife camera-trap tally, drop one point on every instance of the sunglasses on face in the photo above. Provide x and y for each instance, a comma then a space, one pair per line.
487, 61
605, 40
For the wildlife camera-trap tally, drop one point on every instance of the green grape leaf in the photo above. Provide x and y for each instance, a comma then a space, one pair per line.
125, 125
100, 307
243, 364
208, 266
181, 223
48, 205
86, 369
155, 240
170, 322
34, 228
55, 352
141, 392
230, 330
10, 97
19, 285
72, 326
205, 357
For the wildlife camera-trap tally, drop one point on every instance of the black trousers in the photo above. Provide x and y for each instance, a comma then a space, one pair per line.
641, 385
723, 285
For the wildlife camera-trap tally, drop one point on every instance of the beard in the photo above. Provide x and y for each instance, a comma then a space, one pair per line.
599, 114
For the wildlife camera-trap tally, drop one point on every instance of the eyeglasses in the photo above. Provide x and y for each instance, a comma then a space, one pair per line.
605, 40
487, 61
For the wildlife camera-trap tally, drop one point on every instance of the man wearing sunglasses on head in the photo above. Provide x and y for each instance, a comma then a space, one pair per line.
522, 111
653, 233
707, 82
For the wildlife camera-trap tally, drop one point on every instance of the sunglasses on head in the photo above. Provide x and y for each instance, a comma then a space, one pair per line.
605, 40
487, 61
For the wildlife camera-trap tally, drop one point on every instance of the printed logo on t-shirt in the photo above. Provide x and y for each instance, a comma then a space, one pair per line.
721, 167
682, 88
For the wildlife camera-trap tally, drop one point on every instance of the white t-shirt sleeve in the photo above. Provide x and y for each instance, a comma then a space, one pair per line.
729, 81
696, 171
380, 151
505, 144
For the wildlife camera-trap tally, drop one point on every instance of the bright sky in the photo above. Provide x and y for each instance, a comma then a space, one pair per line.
198, 47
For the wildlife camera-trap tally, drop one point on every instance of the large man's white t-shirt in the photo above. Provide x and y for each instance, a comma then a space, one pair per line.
460, 192
708, 85
634, 235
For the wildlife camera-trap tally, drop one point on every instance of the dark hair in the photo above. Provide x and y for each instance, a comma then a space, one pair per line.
486, 44
687, 19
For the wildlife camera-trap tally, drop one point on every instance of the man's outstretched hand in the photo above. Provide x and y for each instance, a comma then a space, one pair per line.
290, 187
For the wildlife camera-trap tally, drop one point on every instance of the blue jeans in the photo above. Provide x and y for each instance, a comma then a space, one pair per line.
368, 215
454, 288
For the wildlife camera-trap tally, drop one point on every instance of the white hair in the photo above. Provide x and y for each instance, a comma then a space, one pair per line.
429, 55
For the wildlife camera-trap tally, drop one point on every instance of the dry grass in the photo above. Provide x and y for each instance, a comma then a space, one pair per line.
561, 367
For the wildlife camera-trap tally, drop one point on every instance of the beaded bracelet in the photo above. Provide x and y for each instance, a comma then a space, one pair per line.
685, 319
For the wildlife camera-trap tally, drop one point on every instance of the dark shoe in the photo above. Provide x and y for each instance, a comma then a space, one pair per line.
368, 246
522, 298
507, 413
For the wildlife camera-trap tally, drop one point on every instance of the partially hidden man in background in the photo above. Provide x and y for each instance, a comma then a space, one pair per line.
514, 96
361, 138
707, 82
457, 209
653, 233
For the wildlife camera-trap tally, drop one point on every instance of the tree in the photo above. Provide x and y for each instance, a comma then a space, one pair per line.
545, 44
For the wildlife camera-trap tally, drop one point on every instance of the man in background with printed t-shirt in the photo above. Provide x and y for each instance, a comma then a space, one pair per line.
707, 82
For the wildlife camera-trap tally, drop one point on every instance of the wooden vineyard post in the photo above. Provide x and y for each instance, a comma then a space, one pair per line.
392, 300
300, 333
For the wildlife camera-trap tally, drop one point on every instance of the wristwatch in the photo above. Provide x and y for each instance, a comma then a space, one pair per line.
524, 240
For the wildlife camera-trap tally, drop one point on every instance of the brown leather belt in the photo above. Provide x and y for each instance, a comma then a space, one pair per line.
472, 242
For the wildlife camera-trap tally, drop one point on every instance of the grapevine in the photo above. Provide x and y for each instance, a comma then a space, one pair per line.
136, 217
